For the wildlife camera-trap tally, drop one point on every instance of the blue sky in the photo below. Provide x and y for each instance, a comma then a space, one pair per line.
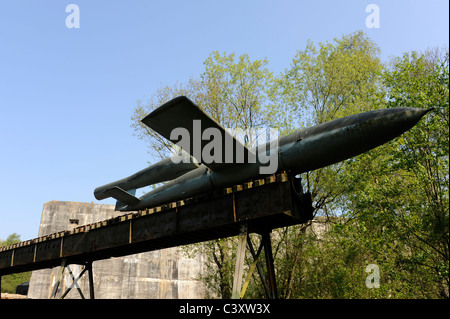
66, 95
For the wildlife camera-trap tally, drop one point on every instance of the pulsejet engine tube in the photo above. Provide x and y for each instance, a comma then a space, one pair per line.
167, 169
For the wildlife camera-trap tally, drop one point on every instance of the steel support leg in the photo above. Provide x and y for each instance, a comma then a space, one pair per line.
91, 279
258, 266
239, 268
270, 286
74, 283
252, 268
58, 280
88, 268
269, 265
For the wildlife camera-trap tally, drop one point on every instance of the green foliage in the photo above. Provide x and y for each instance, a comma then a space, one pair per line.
331, 80
10, 282
325, 82
235, 92
396, 200
12, 239
393, 200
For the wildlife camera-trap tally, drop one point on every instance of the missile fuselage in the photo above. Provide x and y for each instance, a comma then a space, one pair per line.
304, 150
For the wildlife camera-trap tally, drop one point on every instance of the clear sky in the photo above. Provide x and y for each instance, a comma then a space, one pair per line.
67, 94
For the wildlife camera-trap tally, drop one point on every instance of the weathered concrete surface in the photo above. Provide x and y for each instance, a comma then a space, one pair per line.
158, 274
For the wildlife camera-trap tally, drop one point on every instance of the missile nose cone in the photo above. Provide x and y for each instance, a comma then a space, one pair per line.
428, 110
404, 118
422, 112
415, 114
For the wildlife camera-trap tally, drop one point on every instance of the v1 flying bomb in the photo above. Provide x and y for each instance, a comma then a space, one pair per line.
213, 158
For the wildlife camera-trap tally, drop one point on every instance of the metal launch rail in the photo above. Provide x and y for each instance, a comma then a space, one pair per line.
261, 205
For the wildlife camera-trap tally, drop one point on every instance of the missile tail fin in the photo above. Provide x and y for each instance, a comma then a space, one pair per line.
119, 206
123, 198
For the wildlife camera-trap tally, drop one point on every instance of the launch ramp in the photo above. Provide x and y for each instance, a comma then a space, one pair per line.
262, 205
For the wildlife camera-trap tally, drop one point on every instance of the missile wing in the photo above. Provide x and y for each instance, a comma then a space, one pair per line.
181, 115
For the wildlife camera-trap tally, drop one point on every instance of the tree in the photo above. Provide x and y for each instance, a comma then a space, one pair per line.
331, 80
422, 80
234, 93
158, 146
396, 198
393, 200
11, 240
325, 82
328, 82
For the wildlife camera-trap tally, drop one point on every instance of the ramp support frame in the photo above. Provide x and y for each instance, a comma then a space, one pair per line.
64, 266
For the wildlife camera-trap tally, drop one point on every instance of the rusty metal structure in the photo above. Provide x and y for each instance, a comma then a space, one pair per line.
259, 205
